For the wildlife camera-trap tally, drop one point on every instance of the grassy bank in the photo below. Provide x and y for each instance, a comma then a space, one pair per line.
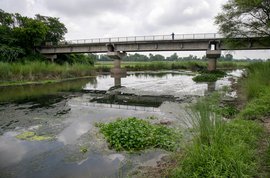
219, 148
169, 65
235, 148
36, 71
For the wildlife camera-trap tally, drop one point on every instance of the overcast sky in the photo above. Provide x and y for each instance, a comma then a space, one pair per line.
87, 19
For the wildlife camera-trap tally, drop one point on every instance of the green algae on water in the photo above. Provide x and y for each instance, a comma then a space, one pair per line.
32, 136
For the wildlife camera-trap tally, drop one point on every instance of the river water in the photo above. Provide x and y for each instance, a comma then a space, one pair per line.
67, 112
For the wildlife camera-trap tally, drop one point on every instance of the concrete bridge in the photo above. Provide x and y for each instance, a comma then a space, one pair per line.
117, 47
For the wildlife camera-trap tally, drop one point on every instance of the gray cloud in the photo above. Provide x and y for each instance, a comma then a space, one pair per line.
13, 6
89, 8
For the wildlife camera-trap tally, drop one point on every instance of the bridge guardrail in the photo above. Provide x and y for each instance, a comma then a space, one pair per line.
144, 38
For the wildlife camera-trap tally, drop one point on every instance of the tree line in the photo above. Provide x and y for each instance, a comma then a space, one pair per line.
159, 57
20, 34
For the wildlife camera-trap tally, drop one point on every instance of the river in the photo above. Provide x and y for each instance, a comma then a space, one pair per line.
66, 113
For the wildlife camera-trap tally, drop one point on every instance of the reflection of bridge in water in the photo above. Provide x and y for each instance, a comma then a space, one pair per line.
118, 106
117, 47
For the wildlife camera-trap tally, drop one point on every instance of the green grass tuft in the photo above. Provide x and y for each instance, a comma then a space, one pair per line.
220, 148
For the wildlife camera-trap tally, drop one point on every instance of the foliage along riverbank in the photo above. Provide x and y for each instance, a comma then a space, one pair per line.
37, 71
234, 148
170, 65
41, 71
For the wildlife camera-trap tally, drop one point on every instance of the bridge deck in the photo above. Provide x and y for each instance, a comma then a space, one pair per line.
176, 42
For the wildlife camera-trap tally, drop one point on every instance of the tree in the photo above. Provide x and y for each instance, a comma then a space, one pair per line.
156, 57
228, 57
20, 34
245, 18
173, 57
30, 32
56, 29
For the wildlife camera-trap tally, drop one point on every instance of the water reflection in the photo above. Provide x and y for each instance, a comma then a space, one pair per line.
117, 79
12, 151
29, 92
153, 83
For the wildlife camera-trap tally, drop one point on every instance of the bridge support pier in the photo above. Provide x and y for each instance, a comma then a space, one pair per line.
51, 56
212, 56
117, 57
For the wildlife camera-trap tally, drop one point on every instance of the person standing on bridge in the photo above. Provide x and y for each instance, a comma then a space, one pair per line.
172, 36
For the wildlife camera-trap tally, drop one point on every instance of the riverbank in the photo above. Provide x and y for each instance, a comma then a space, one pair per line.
170, 65
42, 72
237, 147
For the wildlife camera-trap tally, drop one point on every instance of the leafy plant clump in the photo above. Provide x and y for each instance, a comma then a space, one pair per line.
134, 134
209, 76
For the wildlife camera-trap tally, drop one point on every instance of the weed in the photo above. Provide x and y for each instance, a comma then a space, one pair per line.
83, 149
209, 76
134, 134
258, 107
219, 149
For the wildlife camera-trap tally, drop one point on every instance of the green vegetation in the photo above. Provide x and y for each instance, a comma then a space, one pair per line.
220, 148
257, 80
230, 148
163, 65
209, 76
30, 92
32, 136
83, 149
20, 34
257, 91
35, 71
134, 134
167, 65
245, 18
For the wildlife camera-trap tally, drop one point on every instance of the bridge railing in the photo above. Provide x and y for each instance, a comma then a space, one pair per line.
144, 38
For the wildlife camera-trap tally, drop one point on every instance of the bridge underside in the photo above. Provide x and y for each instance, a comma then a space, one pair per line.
146, 46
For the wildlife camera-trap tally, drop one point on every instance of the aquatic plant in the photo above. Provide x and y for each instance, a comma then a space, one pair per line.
209, 76
32, 136
134, 134
83, 149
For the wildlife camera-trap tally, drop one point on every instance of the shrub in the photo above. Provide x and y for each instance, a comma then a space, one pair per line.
134, 134
209, 76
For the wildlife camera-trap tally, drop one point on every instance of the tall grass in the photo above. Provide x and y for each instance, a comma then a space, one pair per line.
170, 65
33, 71
220, 148
258, 79
257, 90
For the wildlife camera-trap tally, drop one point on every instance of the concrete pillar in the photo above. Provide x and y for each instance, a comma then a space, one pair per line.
117, 79
212, 64
212, 56
51, 56
117, 57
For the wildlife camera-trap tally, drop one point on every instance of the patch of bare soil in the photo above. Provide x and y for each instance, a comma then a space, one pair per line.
159, 171
263, 150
